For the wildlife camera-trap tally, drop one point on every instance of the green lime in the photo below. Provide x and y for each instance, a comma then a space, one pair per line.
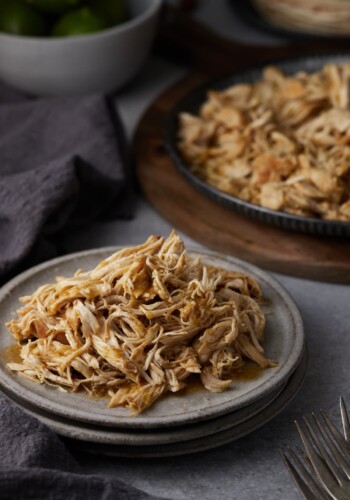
18, 18
79, 22
54, 6
113, 11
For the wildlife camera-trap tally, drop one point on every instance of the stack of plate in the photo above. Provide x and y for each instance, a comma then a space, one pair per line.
179, 423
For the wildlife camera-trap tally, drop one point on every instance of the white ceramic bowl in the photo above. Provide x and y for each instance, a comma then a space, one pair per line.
99, 62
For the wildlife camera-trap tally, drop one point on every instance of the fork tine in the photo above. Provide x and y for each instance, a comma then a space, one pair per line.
324, 474
306, 473
305, 491
323, 452
338, 457
304, 455
345, 419
343, 445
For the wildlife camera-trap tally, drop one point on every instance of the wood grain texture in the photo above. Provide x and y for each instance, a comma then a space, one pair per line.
220, 228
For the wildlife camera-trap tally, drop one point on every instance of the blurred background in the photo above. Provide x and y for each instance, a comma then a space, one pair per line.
55, 47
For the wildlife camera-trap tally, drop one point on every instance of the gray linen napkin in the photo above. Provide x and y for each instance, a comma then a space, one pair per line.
62, 161
35, 465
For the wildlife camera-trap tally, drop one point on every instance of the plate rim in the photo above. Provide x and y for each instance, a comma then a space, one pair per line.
305, 224
13, 384
204, 443
103, 438
165, 436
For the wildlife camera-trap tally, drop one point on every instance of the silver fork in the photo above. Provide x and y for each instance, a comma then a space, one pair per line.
322, 471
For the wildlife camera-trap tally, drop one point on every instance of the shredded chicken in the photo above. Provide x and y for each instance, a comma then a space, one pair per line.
140, 324
282, 142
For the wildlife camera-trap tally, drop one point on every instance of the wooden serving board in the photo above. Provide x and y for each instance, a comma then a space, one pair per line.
204, 220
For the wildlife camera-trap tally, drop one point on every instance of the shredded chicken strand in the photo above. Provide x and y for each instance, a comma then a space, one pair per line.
140, 324
282, 142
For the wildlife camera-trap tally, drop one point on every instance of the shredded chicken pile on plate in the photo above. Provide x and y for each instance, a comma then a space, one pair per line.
139, 324
282, 142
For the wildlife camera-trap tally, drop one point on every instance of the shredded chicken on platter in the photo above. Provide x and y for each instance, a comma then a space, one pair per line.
139, 324
282, 142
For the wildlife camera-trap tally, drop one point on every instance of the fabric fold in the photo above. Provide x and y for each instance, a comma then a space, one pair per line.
36, 465
62, 162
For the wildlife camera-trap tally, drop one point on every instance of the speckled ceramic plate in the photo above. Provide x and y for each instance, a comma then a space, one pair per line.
284, 343
107, 442
191, 102
147, 437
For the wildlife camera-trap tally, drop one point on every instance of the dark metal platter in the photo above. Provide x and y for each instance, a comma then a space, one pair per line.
191, 103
